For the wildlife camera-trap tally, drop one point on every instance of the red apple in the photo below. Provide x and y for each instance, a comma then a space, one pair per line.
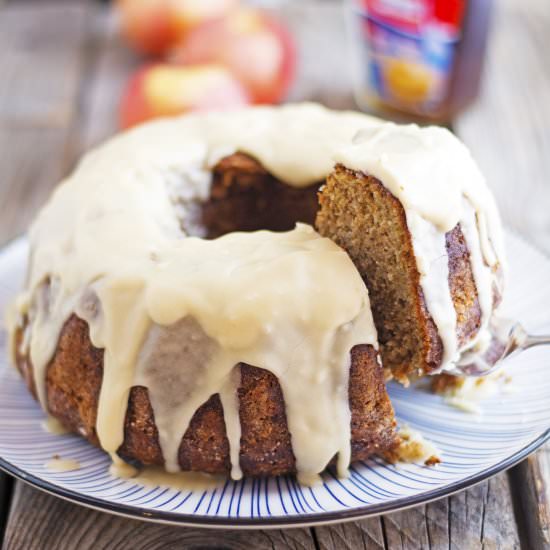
154, 26
256, 47
164, 90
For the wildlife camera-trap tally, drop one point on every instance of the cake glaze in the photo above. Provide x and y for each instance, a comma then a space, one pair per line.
114, 246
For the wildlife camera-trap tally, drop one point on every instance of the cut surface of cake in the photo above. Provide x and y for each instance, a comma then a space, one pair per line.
412, 209
181, 310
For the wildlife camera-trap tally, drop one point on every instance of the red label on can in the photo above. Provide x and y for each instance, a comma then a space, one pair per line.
410, 47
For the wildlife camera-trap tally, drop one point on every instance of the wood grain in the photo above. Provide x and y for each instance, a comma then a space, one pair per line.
368, 533
6, 486
508, 129
469, 520
42, 64
531, 485
58, 96
110, 65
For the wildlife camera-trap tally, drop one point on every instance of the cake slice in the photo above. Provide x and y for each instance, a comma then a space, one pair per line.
365, 219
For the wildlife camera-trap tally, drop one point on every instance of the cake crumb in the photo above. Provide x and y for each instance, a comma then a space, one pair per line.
465, 394
414, 448
61, 465
465, 405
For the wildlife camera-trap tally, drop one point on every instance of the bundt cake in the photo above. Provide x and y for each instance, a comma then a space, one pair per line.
180, 309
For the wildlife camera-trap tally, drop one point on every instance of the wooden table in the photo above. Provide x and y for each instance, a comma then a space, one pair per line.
62, 69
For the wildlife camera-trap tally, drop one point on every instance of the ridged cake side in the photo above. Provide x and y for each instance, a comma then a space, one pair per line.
73, 383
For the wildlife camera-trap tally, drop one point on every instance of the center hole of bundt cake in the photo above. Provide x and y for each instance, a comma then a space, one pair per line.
244, 196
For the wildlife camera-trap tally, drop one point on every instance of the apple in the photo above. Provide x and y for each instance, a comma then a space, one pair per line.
161, 89
254, 45
154, 26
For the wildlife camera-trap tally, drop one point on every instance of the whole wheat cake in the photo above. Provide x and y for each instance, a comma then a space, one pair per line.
176, 315
362, 216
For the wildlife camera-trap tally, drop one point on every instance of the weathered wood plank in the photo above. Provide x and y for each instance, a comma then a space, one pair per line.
367, 533
41, 64
6, 486
109, 70
499, 527
531, 485
508, 129
481, 517
437, 523
30, 164
39, 521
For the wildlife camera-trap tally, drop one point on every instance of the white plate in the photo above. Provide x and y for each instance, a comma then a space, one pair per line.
473, 447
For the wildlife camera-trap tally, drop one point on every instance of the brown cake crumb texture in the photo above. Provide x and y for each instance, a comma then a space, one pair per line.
365, 219
244, 197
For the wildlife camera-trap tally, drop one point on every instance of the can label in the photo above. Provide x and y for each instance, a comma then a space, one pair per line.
410, 48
